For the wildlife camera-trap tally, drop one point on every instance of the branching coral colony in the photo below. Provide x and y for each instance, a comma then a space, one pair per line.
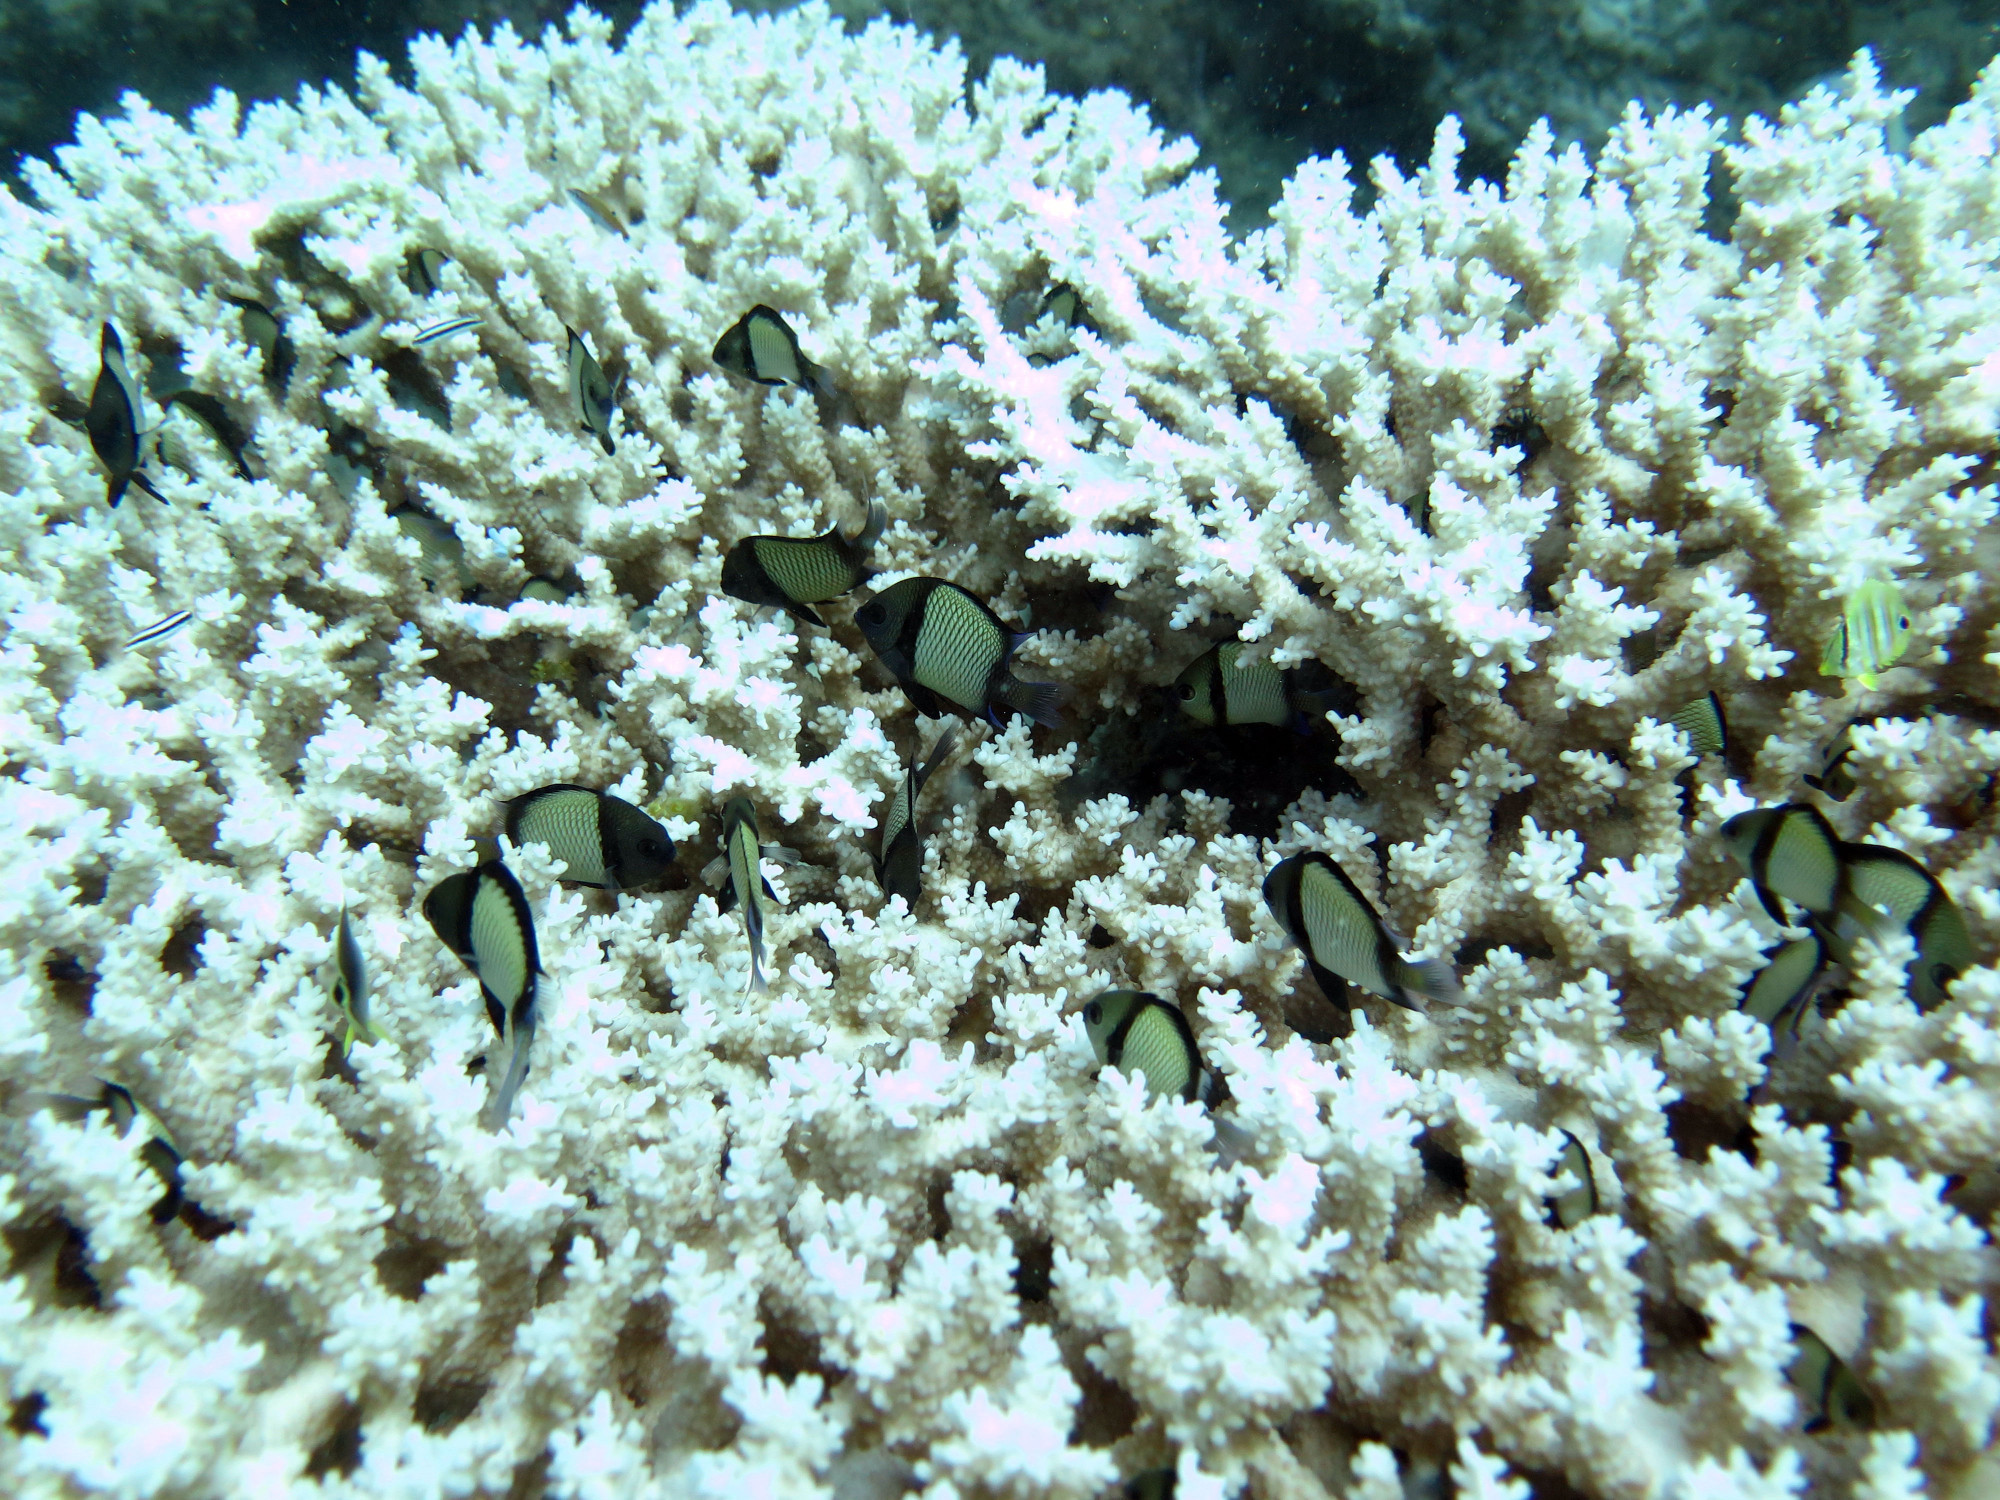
1505, 483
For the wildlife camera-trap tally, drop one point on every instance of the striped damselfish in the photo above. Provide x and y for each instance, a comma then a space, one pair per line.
1832, 1397
761, 346
947, 647
1218, 688
1572, 1206
1344, 938
482, 916
590, 392
900, 866
1141, 1034
602, 840
743, 850
794, 573
114, 419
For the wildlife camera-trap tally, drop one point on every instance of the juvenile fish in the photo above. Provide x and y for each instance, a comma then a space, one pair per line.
421, 267
1066, 302
1344, 938
1702, 722
214, 419
795, 573
482, 916
1141, 1034
1836, 776
159, 630
603, 840
1217, 688
597, 211
1572, 1206
267, 336
761, 346
590, 391
1873, 633
113, 421
160, 1153
446, 329
943, 646
900, 866
350, 986
440, 554
1831, 1395
747, 885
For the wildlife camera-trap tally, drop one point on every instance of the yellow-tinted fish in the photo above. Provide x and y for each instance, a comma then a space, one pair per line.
350, 985
1777, 993
1830, 1394
1891, 892
1141, 1034
761, 346
1344, 938
482, 916
1790, 852
900, 867
1873, 633
1067, 304
1702, 722
793, 573
744, 852
1571, 1206
602, 840
945, 646
590, 391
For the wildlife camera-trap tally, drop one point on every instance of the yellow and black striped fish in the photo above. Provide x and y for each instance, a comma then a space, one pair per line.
590, 391
1139, 1033
603, 840
1573, 1205
114, 420
742, 848
761, 346
1891, 892
793, 573
945, 646
1831, 1395
1790, 852
1873, 633
482, 916
900, 867
1778, 992
1217, 688
1345, 939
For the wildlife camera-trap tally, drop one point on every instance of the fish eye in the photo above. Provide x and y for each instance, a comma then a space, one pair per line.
652, 848
1187, 692
871, 614
1093, 1013
1902, 622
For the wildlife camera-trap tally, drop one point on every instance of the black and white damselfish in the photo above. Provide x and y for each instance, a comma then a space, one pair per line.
114, 421
1343, 937
1218, 689
482, 916
590, 391
761, 346
793, 573
1572, 1205
602, 840
1139, 1033
900, 866
158, 1151
944, 646
743, 850
350, 986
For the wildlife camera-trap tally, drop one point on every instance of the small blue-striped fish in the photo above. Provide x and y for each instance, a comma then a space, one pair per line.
446, 329
482, 916
596, 210
1141, 1034
1873, 633
947, 647
159, 630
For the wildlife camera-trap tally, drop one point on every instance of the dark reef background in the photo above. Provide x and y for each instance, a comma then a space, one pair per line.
1261, 84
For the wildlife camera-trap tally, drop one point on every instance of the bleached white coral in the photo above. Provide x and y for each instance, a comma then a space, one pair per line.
1529, 468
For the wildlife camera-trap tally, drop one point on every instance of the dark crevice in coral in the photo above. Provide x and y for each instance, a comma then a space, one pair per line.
406, 1265
441, 1404
339, 1452
25, 1416
789, 1351
1034, 1270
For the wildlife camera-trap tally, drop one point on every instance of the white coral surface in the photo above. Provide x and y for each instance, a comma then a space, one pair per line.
1529, 466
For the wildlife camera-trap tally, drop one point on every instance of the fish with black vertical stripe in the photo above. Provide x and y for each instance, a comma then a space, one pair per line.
1343, 937
1142, 1035
793, 573
900, 866
114, 420
760, 346
602, 840
1218, 688
482, 916
944, 646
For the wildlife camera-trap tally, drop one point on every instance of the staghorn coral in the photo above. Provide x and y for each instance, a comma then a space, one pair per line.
1530, 468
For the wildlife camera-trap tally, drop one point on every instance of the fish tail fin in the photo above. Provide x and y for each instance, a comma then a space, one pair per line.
1040, 701
872, 529
1432, 978
347, 1042
502, 1103
147, 485
759, 981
